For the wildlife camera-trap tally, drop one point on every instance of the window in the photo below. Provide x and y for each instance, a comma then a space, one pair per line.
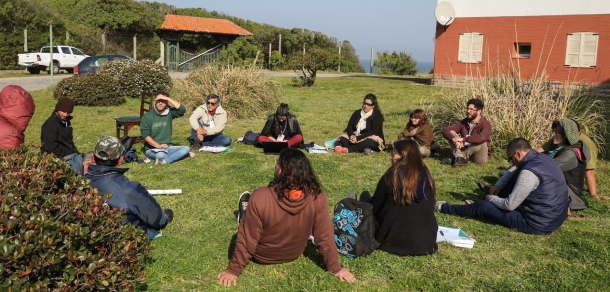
76, 51
47, 50
66, 50
523, 50
470, 48
581, 50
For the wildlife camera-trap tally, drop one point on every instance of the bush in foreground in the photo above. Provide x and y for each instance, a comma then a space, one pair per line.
56, 235
526, 108
245, 92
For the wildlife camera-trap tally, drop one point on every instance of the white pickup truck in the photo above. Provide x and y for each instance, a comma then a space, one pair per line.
64, 57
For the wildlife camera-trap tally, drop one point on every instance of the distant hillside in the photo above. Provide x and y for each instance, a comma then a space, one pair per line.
85, 23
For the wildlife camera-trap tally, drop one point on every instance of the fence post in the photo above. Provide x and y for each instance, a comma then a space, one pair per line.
135, 57
25, 40
104, 42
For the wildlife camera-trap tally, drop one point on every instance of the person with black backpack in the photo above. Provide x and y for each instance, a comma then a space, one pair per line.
403, 204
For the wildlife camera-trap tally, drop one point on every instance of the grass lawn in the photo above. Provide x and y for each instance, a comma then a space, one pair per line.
196, 246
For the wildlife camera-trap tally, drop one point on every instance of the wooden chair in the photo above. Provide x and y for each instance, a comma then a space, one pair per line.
124, 124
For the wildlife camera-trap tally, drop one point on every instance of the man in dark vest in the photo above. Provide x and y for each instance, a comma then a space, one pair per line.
534, 201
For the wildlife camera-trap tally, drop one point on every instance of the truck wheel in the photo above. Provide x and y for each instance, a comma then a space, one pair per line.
55, 67
34, 70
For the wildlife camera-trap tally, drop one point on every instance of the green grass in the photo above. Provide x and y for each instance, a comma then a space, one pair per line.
195, 247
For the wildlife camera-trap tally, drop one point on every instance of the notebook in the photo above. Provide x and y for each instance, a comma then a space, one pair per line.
274, 148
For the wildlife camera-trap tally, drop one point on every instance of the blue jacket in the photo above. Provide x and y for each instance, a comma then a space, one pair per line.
546, 207
140, 206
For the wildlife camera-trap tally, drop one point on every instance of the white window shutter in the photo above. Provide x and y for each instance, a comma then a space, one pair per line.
589, 50
464, 47
477, 48
573, 50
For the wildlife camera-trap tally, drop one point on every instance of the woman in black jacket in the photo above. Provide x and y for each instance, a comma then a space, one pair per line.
403, 204
282, 127
364, 129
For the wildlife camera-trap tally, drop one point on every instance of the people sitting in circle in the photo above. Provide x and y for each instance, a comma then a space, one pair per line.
534, 200
418, 129
364, 129
403, 204
470, 137
279, 219
591, 162
208, 123
140, 207
156, 128
282, 127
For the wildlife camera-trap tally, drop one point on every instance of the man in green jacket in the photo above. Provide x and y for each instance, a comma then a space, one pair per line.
156, 128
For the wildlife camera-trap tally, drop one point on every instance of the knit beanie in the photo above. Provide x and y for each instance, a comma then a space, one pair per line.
571, 130
65, 105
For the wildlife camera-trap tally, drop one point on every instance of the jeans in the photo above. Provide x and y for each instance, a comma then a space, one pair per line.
75, 161
174, 153
511, 219
211, 140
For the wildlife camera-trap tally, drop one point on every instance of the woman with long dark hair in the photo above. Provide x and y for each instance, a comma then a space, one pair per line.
403, 204
280, 218
282, 127
364, 129
418, 129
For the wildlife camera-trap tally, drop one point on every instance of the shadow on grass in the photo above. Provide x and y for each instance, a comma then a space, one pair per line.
311, 252
232, 247
413, 79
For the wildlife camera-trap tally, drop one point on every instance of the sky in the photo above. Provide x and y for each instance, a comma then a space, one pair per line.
385, 25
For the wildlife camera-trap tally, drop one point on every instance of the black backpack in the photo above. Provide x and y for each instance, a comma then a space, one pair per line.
354, 228
251, 138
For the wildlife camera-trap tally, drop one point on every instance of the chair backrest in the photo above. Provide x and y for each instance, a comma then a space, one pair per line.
146, 103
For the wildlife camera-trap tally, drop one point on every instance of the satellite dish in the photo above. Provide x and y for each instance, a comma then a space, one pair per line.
444, 13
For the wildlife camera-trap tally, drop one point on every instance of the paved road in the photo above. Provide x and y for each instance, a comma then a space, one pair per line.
43, 81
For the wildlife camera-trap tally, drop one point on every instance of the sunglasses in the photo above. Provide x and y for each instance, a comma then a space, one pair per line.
211, 103
510, 159
367, 104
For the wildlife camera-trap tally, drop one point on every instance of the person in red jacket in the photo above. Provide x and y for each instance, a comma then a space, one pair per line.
280, 218
470, 137
16, 110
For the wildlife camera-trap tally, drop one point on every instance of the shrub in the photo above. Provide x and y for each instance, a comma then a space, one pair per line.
245, 92
137, 77
55, 233
90, 90
526, 108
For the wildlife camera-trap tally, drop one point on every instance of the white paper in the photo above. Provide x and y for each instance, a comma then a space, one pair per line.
454, 236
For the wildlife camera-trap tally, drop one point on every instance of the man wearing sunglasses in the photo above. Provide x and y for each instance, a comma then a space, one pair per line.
208, 123
470, 137
534, 200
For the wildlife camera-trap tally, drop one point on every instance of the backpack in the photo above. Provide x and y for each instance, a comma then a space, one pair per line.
354, 226
251, 138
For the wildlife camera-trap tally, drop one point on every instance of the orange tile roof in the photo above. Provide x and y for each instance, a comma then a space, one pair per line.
202, 25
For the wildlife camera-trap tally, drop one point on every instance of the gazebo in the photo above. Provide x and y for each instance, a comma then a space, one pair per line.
175, 26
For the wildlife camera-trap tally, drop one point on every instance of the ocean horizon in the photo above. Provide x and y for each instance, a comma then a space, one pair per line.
422, 67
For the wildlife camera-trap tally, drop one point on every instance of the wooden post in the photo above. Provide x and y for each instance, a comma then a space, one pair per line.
162, 51
135, 51
51, 51
67, 36
104, 42
25, 40
371, 65
339, 67
279, 47
269, 55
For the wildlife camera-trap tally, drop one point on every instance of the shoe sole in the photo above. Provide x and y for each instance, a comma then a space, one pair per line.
240, 205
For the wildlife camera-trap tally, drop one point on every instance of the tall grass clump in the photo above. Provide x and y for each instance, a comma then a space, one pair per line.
245, 92
519, 107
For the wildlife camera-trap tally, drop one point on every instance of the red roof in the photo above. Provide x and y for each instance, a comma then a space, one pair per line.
202, 25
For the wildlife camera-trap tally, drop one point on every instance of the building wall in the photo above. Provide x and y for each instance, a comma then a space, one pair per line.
548, 38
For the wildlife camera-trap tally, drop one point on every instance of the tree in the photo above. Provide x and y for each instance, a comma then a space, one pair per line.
311, 61
395, 63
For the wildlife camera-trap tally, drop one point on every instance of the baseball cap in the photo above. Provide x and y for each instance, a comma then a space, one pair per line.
108, 148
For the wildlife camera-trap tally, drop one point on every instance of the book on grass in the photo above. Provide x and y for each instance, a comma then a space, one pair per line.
454, 236
215, 149
317, 149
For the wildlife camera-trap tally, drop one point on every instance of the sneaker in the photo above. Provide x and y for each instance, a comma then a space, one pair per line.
240, 139
340, 149
368, 151
146, 160
192, 154
242, 204
460, 161
352, 195
447, 161
160, 161
468, 202
438, 205
311, 237
170, 215
483, 187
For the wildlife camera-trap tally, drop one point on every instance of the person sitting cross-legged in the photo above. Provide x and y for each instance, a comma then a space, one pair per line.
534, 201
282, 127
208, 123
139, 206
280, 218
470, 137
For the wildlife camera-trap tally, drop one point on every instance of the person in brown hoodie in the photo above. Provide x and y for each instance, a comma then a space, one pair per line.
279, 219
418, 129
